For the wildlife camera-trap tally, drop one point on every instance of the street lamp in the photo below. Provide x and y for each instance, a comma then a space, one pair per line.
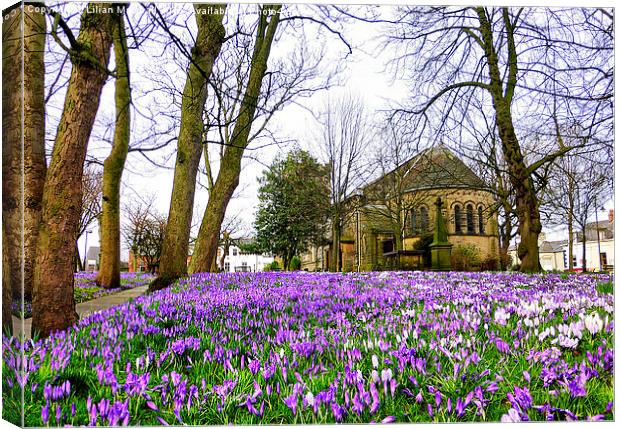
85, 244
598, 237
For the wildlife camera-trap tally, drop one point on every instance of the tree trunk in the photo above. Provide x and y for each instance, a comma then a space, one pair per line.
7, 292
336, 234
571, 208
584, 263
226, 248
230, 165
571, 243
211, 34
78, 261
34, 137
33, 169
12, 172
53, 305
528, 214
109, 275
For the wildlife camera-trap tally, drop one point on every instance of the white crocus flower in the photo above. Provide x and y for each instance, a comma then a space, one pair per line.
594, 323
375, 361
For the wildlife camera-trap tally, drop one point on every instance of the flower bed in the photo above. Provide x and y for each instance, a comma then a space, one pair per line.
86, 289
311, 348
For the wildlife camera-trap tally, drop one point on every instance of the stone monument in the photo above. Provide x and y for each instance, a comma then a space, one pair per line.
440, 247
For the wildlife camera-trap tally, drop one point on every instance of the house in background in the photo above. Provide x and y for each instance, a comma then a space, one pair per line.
92, 259
389, 219
599, 248
239, 261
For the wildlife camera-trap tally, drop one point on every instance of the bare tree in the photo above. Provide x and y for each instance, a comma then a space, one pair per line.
578, 182
511, 57
109, 275
227, 181
387, 200
345, 133
144, 233
209, 40
90, 210
232, 230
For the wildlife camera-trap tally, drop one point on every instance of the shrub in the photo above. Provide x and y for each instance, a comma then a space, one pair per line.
274, 266
490, 263
465, 257
295, 264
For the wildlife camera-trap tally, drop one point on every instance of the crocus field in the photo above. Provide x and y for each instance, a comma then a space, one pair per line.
313, 348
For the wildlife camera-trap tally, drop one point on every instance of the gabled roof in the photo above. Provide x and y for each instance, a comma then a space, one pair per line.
436, 167
93, 253
552, 246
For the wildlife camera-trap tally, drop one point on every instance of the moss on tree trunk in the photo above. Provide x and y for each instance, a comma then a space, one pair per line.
227, 180
110, 232
53, 305
211, 34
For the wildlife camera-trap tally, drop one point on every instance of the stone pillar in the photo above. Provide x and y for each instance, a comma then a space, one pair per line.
440, 247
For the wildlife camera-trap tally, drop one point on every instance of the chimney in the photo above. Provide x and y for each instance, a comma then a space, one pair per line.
611, 215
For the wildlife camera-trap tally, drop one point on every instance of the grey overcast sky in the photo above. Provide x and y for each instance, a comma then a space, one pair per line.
363, 73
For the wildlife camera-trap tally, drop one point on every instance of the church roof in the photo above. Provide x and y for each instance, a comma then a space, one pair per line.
436, 167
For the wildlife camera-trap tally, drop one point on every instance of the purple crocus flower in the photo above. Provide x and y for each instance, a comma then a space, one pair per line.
291, 403
45, 413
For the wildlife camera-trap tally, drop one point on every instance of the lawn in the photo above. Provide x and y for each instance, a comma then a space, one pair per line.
313, 348
86, 289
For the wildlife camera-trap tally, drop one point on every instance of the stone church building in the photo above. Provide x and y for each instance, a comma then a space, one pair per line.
389, 223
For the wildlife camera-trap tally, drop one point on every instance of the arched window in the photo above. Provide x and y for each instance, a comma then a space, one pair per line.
480, 221
414, 222
423, 220
470, 219
458, 228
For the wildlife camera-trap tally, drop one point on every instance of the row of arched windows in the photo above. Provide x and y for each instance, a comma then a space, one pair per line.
470, 225
467, 220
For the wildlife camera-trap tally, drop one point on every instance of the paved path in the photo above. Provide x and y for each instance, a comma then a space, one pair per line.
87, 307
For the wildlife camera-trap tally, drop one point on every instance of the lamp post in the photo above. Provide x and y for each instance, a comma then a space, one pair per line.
598, 236
85, 244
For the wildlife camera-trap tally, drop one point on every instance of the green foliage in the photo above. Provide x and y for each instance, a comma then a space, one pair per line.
274, 266
293, 205
250, 247
465, 257
295, 264
607, 287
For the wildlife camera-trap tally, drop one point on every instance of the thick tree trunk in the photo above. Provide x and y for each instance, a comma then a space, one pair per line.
12, 149
211, 34
34, 137
110, 232
33, 169
53, 305
230, 165
7, 292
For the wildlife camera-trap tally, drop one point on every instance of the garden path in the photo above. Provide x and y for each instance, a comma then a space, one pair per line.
87, 307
